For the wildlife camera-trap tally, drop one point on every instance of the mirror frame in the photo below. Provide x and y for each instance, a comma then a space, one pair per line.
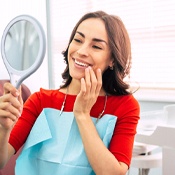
17, 76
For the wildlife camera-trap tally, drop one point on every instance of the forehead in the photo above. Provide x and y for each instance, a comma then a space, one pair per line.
94, 28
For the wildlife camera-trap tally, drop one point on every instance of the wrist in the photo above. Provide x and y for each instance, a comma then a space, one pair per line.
4, 132
81, 115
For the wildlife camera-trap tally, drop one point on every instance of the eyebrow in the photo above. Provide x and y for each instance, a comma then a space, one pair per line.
94, 39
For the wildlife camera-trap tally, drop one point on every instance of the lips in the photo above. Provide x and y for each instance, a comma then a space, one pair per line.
79, 63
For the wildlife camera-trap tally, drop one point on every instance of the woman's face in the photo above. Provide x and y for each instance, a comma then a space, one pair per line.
89, 47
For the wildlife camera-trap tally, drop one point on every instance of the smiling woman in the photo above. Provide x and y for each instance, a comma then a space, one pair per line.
91, 103
151, 27
89, 49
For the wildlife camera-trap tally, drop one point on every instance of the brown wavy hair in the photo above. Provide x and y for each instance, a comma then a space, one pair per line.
119, 43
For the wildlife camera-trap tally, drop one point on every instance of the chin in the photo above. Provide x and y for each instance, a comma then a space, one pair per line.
76, 76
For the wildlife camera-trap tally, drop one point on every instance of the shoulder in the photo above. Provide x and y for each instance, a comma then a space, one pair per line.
123, 105
45, 93
44, 97
124, 100
48, 92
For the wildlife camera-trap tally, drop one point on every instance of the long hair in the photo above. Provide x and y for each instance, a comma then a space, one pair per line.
119, 43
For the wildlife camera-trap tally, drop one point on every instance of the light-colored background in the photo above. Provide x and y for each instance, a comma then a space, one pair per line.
10, 9
42, 10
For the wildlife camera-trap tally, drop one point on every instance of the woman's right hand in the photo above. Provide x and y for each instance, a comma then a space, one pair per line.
11, 105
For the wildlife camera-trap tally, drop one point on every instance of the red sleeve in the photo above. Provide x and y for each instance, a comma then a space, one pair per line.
32, 108
127, 111
22, 128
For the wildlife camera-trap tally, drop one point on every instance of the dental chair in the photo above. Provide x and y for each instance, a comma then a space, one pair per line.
147, 156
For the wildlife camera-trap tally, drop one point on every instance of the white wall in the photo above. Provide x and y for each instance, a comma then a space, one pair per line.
36, 8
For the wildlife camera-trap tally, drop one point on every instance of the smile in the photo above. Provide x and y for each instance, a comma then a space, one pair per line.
81, 64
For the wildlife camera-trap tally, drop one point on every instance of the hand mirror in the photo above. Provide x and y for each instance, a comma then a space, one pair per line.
23, 48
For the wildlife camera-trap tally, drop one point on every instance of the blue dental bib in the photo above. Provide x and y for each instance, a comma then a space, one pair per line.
54, 145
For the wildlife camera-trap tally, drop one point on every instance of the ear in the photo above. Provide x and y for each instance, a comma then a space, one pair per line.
111, 63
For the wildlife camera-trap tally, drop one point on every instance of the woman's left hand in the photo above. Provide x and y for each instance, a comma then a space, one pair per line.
90, 88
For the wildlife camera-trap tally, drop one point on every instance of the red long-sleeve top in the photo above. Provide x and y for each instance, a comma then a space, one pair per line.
125, 108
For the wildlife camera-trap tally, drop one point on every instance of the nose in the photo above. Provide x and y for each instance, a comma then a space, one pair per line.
83, 50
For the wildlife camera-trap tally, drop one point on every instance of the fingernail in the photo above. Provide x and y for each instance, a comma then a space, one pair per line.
21, 109
99, 70
17, 93
19, 114
88, 68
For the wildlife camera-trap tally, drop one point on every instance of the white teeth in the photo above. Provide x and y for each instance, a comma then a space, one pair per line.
81, 64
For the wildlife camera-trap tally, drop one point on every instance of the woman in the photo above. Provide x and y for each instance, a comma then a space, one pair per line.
88, 125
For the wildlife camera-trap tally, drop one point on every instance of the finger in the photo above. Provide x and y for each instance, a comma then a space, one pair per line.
7, 123
83, 86
99, 80
88, 79
11, 100
9, 88
7, 115
20, 96
9, 111
93, 79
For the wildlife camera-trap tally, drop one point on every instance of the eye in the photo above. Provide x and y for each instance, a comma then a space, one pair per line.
77, 40
97, 47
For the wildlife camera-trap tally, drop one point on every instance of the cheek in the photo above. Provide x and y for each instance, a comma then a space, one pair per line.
71, 50
103, 64
69, 53
101, 67
68, 57
72, 47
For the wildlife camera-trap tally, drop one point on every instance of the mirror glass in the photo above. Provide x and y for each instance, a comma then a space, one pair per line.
22, 43
22, 47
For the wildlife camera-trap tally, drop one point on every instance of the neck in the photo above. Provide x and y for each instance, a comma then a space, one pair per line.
74, 87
